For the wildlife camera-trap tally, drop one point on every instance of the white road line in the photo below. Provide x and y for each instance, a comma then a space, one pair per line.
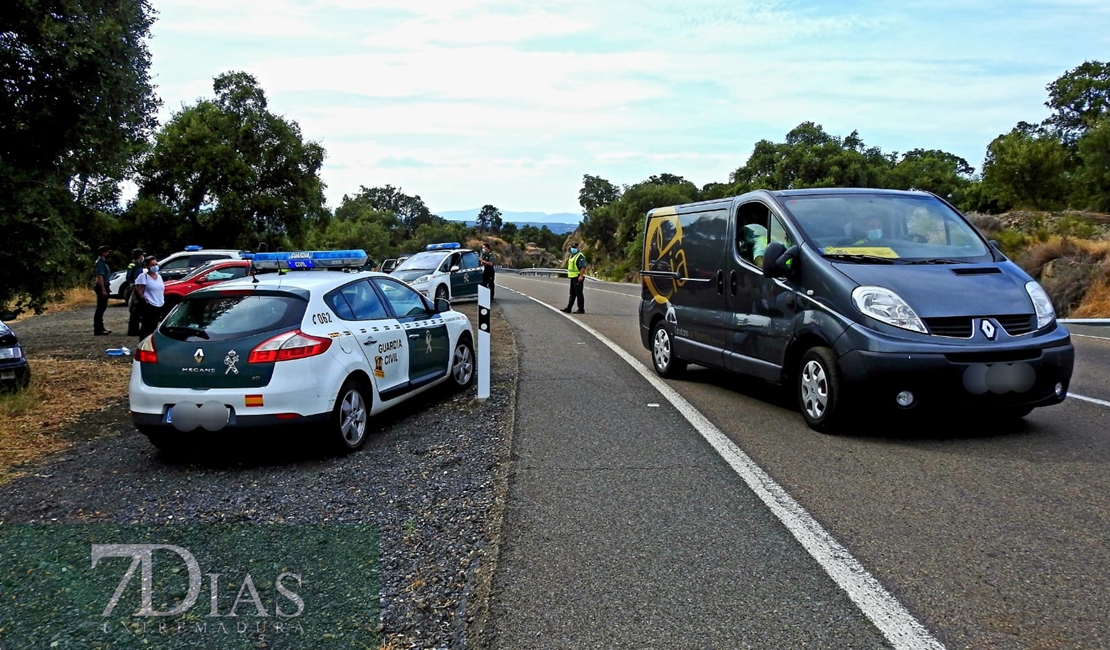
1090, 399
899, 627
1090, 336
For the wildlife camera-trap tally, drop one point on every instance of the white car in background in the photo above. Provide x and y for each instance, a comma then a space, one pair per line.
175, 267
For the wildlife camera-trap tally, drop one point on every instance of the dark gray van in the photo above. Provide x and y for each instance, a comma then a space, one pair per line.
854, 297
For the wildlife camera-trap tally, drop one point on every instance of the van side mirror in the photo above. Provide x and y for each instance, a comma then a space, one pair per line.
7, 315
994, 244
778, 260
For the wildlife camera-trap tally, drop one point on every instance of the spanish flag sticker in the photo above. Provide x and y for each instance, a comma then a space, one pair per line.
253, 400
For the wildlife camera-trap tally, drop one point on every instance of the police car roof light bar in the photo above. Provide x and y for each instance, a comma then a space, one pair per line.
192, 248
305, 260
443, 247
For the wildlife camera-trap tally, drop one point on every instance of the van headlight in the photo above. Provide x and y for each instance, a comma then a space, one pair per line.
888, 307
14, 352
1041, 303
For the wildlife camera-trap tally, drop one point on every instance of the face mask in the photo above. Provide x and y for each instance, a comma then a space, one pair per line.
874, 234
154, 268
574, 251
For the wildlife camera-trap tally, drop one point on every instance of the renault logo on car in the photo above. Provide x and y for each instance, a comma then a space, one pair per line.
198, 356
987, 328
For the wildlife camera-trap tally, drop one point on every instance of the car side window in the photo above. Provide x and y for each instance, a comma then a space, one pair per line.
404, 300
362, 300
178, 263
339, 305
469, 260
757, 226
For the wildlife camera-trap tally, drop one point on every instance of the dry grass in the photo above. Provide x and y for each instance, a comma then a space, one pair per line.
1095, 303
71, 299
61, 391
1069, 269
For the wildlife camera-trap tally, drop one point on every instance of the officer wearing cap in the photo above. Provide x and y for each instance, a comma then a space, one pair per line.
576, 271
133, 270
101, 273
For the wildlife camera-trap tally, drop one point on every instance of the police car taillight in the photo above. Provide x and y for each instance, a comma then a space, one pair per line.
288, 346
146, 352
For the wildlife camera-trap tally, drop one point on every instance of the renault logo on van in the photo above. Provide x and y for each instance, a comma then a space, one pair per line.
198, 356
987, 328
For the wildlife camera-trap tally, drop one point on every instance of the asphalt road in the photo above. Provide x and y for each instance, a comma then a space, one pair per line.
991, 537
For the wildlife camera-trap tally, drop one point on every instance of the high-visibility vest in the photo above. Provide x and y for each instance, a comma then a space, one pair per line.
572, 265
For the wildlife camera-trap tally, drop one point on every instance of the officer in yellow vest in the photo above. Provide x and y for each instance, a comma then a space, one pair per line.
576, 265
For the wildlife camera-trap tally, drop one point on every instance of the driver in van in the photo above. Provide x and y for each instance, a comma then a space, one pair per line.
871, 233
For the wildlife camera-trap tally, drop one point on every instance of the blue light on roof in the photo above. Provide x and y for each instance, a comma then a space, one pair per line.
442, 247
304, 260
192, 248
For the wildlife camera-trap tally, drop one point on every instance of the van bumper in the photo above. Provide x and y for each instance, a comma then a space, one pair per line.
962, 379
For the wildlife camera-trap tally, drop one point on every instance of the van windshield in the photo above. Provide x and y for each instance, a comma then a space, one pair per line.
860, 227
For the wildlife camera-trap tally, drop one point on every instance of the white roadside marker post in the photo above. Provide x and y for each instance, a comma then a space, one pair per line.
483, 342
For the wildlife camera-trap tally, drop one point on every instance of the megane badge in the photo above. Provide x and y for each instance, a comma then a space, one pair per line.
198, 356
987, 328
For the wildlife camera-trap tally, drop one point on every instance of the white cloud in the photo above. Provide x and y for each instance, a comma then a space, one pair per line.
510, 102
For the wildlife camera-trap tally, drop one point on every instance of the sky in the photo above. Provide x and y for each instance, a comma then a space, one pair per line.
511, 102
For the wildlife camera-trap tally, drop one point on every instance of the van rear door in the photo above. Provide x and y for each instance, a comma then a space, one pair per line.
692, 245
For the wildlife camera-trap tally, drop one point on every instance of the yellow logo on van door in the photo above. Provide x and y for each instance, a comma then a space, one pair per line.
663, 252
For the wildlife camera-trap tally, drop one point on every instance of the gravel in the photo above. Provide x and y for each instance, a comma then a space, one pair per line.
431, 479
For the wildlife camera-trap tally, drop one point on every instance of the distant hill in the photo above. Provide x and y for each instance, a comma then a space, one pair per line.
557, 222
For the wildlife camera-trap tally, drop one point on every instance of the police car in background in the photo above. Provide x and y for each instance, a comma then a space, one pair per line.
296, 348
443, 271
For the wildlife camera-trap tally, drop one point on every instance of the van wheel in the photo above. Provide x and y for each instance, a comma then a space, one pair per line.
662, 353
819, 390
350, 416
441, 292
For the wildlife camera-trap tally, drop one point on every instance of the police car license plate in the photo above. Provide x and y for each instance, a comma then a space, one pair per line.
7, 374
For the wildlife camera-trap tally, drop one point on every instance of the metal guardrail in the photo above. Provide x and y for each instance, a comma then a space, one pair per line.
559, 272
1085, 321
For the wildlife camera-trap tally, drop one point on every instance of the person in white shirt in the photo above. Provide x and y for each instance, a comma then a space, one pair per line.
151, 293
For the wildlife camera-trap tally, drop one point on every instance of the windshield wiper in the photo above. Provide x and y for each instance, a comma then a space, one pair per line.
851, 257
180, 329
933, 262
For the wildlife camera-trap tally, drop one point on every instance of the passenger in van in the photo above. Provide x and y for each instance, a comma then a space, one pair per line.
753, 241
871, 232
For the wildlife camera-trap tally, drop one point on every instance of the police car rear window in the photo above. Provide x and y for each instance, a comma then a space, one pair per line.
224, 317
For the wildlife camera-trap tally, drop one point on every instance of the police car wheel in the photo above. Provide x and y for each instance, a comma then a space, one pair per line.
350, 416
441, 292
819, 390
662, 353
462, 364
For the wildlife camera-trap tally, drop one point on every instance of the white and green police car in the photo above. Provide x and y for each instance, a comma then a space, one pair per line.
303, 347
443, 271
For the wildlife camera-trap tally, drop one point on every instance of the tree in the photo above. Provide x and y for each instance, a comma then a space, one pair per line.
229, 173
1027, 167
409, 209
489, 218
76, 106
596, 192
812, 158
1093, 176
1080, 98
932, 170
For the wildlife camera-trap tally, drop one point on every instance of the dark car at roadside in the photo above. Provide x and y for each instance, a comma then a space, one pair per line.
15, 372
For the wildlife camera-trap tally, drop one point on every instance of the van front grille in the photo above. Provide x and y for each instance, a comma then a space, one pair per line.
1017, 325
960, 327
